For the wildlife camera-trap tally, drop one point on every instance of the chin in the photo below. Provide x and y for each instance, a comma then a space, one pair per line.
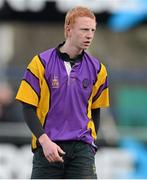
85, 47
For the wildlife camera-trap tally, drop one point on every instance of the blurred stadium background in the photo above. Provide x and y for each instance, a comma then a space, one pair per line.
28, 27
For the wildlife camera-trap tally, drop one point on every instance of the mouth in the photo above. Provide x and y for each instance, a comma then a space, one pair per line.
87, 43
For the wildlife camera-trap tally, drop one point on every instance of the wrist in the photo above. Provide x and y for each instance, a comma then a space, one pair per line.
43, 138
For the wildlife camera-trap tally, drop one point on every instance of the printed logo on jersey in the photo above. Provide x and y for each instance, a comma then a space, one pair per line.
55, 81
85, 83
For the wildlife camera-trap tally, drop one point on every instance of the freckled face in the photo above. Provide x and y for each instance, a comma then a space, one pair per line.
82, 32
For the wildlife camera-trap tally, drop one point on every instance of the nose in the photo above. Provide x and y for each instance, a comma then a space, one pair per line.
89, 34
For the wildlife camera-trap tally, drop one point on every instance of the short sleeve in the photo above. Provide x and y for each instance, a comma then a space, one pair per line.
29, 89
100, 89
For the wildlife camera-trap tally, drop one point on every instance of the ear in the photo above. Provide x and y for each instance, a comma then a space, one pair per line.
68, 30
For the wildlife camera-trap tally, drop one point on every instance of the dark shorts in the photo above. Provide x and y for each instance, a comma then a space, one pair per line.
79, 163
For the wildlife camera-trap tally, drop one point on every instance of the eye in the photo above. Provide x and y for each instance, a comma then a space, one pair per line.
85, 29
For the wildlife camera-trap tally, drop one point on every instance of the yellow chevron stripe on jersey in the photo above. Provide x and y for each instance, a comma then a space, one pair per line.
101, 77
89, 107
43, 106
102, 100
92, 127
29, 96
37, 68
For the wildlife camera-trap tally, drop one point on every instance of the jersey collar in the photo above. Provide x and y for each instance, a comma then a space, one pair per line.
65, 56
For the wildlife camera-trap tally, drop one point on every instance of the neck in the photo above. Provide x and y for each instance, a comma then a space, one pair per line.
71, 50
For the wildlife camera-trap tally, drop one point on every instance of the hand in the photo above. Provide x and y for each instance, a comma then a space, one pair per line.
51, 150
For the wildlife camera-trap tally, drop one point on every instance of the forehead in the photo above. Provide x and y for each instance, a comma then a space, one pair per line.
85, 21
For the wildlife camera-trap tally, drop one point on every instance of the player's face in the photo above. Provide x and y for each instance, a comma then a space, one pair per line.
82, 32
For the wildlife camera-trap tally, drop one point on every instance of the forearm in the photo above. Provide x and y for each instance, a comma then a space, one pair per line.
96, 118
51, 150
32, 120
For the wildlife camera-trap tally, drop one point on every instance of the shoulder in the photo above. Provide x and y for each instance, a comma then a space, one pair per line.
93, 61
41, 59
95, 64
46, 55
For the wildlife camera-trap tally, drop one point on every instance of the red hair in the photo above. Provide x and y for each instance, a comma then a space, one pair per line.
75, 13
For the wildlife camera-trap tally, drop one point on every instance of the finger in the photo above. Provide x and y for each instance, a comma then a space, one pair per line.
50, 158
60, 151
59, 159
54, 157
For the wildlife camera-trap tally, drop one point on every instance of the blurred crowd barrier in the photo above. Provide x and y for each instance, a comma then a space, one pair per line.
15, 162
127, 161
